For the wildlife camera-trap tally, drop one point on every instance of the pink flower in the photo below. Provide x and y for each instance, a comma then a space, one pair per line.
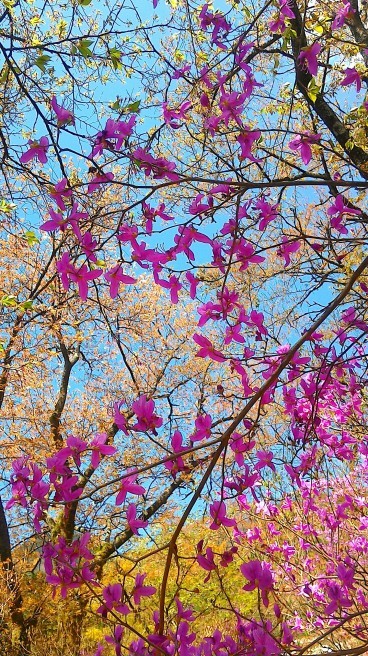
59, 192
141, 590
193, 282
285, 12
37, 150
239, 448
128, 233
180, 72
246, 139
207, 349
259, 575
308, 58
206, 561
98, 180
119, 418
113, 135
265, 460
171, 116
89, 245
147, 420
68, 272
134, 523
344, 11
338, 210
65, 268
286, 248
174, 466
233, 333
218, 21
267, 212
150, 214
303, 143
231, 105
100, 448
256, 319
112, 595
75, 446
203, 425
129, 486
64, 116
218, 514
58, 222
338, 598
173, 284
157, 167
115, 276
115, 640
352, 77
245, 253
82, 276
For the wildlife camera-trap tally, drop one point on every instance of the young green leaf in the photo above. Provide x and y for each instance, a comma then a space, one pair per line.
42, 61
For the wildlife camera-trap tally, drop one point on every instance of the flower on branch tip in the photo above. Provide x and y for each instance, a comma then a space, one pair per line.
286, 248
98, 180
278, 24
264, 460
134, 523
207, 349
112, 595
338, 210
246, 139
64, 116
218, 21
259, 575
129, 486
171, 116
37, 150
218, 514
141, 590
193, 282
203, 424
173, 284
352, 77
307, 58
303, 143
115, 640
157, 167
147, 420
177, 464
344, 11
100, 448
115, 277
60, 191
119, 418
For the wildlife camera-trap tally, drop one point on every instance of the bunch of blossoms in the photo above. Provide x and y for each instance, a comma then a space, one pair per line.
30, 489
330, 586
67, 565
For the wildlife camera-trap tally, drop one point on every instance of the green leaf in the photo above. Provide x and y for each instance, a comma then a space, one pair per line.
31, 238
26, 305
42, 61
313, 90
116, 58
4, 74
132, 107
83, 47
6, 207
8, 301
84, 3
